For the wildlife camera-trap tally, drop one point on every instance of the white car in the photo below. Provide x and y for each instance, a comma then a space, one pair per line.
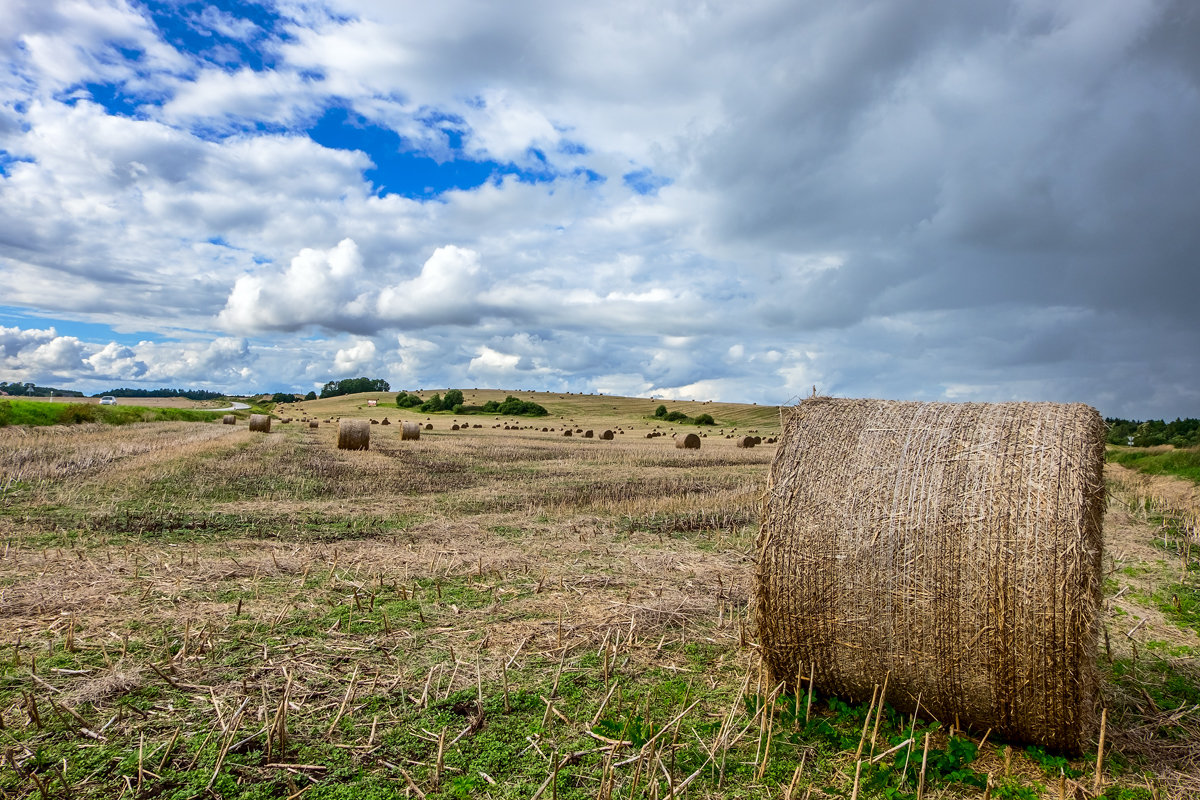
108, 400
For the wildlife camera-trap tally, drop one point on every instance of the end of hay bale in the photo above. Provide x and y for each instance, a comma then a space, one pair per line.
589, 434
229, 419
687, 441
607, 436
354, 434
312, 424
746, 441
260, 423
410, 430
984, 523
429, 426
567, 432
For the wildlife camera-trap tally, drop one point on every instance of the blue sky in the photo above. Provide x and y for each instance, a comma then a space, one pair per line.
912, 200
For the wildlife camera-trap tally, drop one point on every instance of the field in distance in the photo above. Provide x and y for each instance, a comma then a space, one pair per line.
194, 609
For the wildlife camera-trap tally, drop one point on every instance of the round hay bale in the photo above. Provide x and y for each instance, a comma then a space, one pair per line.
957, 546
429, 426
354, 434
260, 423
607, 436
687, 441
567, 432
757, 440
410, 430
229, 419
745, 441
589, 434
313, 424
454, 427
374, 422
385, 421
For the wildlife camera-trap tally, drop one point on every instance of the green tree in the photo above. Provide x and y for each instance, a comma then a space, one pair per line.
310, 396
453, 398
660, 412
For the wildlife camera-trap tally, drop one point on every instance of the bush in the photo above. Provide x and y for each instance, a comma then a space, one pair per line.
660, 412
676, 416
406, 400
704, 419
432, 405
511, 407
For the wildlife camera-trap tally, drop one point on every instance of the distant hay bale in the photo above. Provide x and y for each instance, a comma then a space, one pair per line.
745, 441
589, 434
354, 434
429, 426
410, 430
687, 441
454, 427
385, 421
313, 424
229, 419
757, 440
260, 423
374, 422
607, 436
956, 546
567, 432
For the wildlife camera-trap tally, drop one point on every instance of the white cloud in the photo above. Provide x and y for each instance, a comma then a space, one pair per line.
359, 357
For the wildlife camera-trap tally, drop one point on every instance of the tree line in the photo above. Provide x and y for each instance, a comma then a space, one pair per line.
18, 389
1151, 432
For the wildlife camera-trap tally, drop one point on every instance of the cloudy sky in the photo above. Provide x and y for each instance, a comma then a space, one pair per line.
731, 201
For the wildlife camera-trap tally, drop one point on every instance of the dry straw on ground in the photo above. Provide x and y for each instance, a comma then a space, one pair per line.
955, 548
229, 419
687, 441
260, 423
354, 434
410, 430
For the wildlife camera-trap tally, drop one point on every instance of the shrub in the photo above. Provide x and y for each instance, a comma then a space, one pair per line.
406, 400
660, 412
704, 419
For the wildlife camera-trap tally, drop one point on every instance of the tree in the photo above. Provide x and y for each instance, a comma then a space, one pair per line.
310, 396
453, 398
660, 412
354, 386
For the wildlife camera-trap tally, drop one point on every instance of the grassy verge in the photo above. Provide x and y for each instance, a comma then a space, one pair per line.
25, 412
1180, 463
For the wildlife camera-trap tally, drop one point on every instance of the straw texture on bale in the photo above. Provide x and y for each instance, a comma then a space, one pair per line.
354, 434
956, 546
260, 423
313, 424
607, 436
410, 430
745, 441
229, 419
687, 441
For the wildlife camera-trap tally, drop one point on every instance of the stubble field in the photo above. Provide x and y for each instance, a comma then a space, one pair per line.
192, 610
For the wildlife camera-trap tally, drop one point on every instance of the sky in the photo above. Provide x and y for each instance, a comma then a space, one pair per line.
732, 201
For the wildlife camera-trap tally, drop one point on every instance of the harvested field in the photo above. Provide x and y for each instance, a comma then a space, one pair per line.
197, 610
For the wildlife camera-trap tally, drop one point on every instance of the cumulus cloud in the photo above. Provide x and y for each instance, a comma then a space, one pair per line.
921, 200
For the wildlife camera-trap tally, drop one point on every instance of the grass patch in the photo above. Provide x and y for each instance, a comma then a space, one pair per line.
1180, 463
32, 413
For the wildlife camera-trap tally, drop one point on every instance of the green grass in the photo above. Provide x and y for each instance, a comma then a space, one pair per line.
1180, 463
33, 413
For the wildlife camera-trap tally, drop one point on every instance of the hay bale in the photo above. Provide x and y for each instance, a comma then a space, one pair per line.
229, 419
567, 432
454, 427
410, 430
385, 421
313, 424
429, 426
687, 441
607, 436
354, 434
957, 546
589, 434
745, 441
260, 423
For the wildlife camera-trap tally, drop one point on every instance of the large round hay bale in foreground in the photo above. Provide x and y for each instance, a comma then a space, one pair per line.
354, 434
229, 419
956, 546
410, 430
687, 441
260, 423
